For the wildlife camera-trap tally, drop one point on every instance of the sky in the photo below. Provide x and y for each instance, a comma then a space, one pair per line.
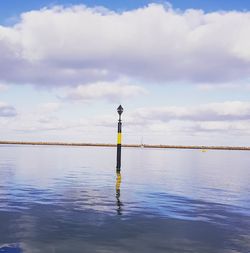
180, 69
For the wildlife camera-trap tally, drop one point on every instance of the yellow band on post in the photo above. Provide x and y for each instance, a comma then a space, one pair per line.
119, 138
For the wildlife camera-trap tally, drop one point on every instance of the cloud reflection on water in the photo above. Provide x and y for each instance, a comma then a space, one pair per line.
87, 209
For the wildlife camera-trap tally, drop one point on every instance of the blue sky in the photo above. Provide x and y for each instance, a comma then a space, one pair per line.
15, 7
181, 75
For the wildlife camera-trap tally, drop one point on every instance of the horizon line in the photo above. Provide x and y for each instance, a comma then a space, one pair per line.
79, 144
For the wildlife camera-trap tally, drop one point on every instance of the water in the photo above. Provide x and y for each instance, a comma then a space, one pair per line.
69, 199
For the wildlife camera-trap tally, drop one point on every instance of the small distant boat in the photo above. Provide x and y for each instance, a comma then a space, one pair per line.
142, 145
203, 150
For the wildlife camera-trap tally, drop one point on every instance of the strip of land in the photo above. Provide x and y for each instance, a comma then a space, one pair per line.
124, 145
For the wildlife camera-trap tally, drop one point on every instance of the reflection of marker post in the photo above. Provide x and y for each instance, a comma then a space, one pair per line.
119, 140
117, 187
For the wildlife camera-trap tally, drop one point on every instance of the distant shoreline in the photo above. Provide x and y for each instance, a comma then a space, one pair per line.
125, 145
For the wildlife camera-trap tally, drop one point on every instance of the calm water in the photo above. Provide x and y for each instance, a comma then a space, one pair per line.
69, 199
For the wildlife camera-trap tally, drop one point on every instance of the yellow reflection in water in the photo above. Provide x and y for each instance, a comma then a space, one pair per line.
118, 193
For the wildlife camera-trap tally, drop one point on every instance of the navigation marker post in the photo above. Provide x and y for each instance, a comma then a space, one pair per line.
119, 140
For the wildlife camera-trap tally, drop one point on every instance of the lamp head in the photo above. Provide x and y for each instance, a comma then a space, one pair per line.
120, 110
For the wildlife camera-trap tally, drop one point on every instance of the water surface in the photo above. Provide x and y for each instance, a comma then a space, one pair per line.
69, 199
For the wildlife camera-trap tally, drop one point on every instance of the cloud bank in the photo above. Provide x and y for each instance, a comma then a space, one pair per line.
206, 124
227, 111
104, 90
78, 45
231, 117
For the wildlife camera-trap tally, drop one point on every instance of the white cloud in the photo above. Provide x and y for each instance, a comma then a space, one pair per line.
3, 87
49, 107
227, 111
32, 122
7, 110
242, 127
68, 46
104, 90
233, 86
